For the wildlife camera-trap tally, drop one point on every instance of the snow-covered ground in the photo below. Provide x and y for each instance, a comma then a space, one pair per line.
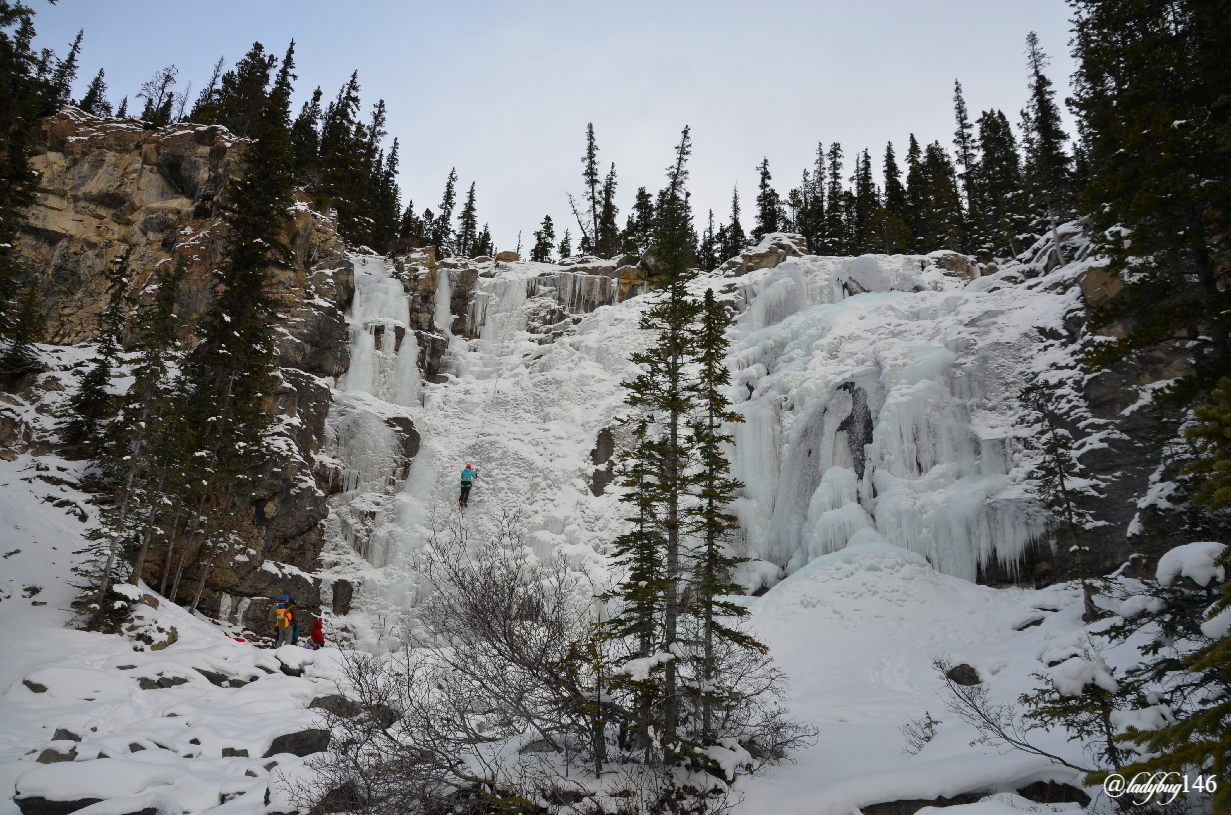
881, 467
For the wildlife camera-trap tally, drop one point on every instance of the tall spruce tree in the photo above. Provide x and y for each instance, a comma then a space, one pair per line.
941, 220
735, 241
442, 232
707, 253
1048, 171
996, 214
467, 226
590, 177
963, 143
711, 522
1150, 96
895, 193
769, 205
664, 394
94, 101
916, 182
240, 94
836, 238
306, 141
639, 228
544, 241
866, 203
231, 372
607, 238
92, 403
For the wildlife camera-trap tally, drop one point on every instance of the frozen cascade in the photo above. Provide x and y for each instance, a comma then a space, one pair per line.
384, 352
879, 398
887, 410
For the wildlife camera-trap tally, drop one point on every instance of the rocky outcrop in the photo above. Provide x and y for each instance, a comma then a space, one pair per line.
769, 253
107, 185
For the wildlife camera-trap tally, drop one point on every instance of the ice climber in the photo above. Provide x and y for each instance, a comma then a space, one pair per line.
318, 635
468, 476
282, 623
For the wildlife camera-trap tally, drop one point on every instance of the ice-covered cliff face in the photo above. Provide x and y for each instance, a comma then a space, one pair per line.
894, 409
878, 393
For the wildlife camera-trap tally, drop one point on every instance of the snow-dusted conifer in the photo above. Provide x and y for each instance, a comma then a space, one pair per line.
769, 205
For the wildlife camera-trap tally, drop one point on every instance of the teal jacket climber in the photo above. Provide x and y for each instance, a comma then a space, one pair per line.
468, 477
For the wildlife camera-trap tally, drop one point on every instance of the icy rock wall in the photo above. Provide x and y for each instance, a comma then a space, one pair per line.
878, 393
367, 430
384, 352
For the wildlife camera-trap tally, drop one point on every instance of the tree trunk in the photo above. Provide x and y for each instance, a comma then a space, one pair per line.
166, 567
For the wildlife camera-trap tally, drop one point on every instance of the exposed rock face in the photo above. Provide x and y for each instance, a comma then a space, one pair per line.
108, 185
769, 253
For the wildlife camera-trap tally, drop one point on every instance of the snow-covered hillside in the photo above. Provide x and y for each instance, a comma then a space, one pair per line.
883, 467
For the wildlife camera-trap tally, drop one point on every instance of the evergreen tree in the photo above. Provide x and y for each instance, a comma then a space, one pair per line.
707, 253
95, 101
92, 402
941, 218
810, 214
565, 249
442, 232
32, 84
963, 142
663, 390
639, 229
544, 241
590, 177
240, 94
996, 215
230, 374
342, 151
836, 239
468, 227
1048, 171
121, 110
734, 242
607, 243
140, 452
152, 400
710, 520
915, 194
769, 205
1150, 96
484, 247
895, 193
890, 233
866, 203
1212, 438
306, 141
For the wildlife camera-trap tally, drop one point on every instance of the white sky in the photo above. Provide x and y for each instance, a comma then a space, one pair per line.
503, 91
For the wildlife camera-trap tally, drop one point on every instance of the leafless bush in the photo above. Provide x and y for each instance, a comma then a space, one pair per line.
496, 701
918, 732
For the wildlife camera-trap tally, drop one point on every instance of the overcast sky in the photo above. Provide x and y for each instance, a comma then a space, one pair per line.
503, 90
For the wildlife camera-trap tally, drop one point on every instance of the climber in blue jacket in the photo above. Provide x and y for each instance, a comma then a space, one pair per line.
468, 477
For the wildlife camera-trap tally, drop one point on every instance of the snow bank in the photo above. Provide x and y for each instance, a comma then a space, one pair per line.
1193, 560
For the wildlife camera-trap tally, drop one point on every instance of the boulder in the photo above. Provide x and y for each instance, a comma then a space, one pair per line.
964, 675
302, 743
507, 257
